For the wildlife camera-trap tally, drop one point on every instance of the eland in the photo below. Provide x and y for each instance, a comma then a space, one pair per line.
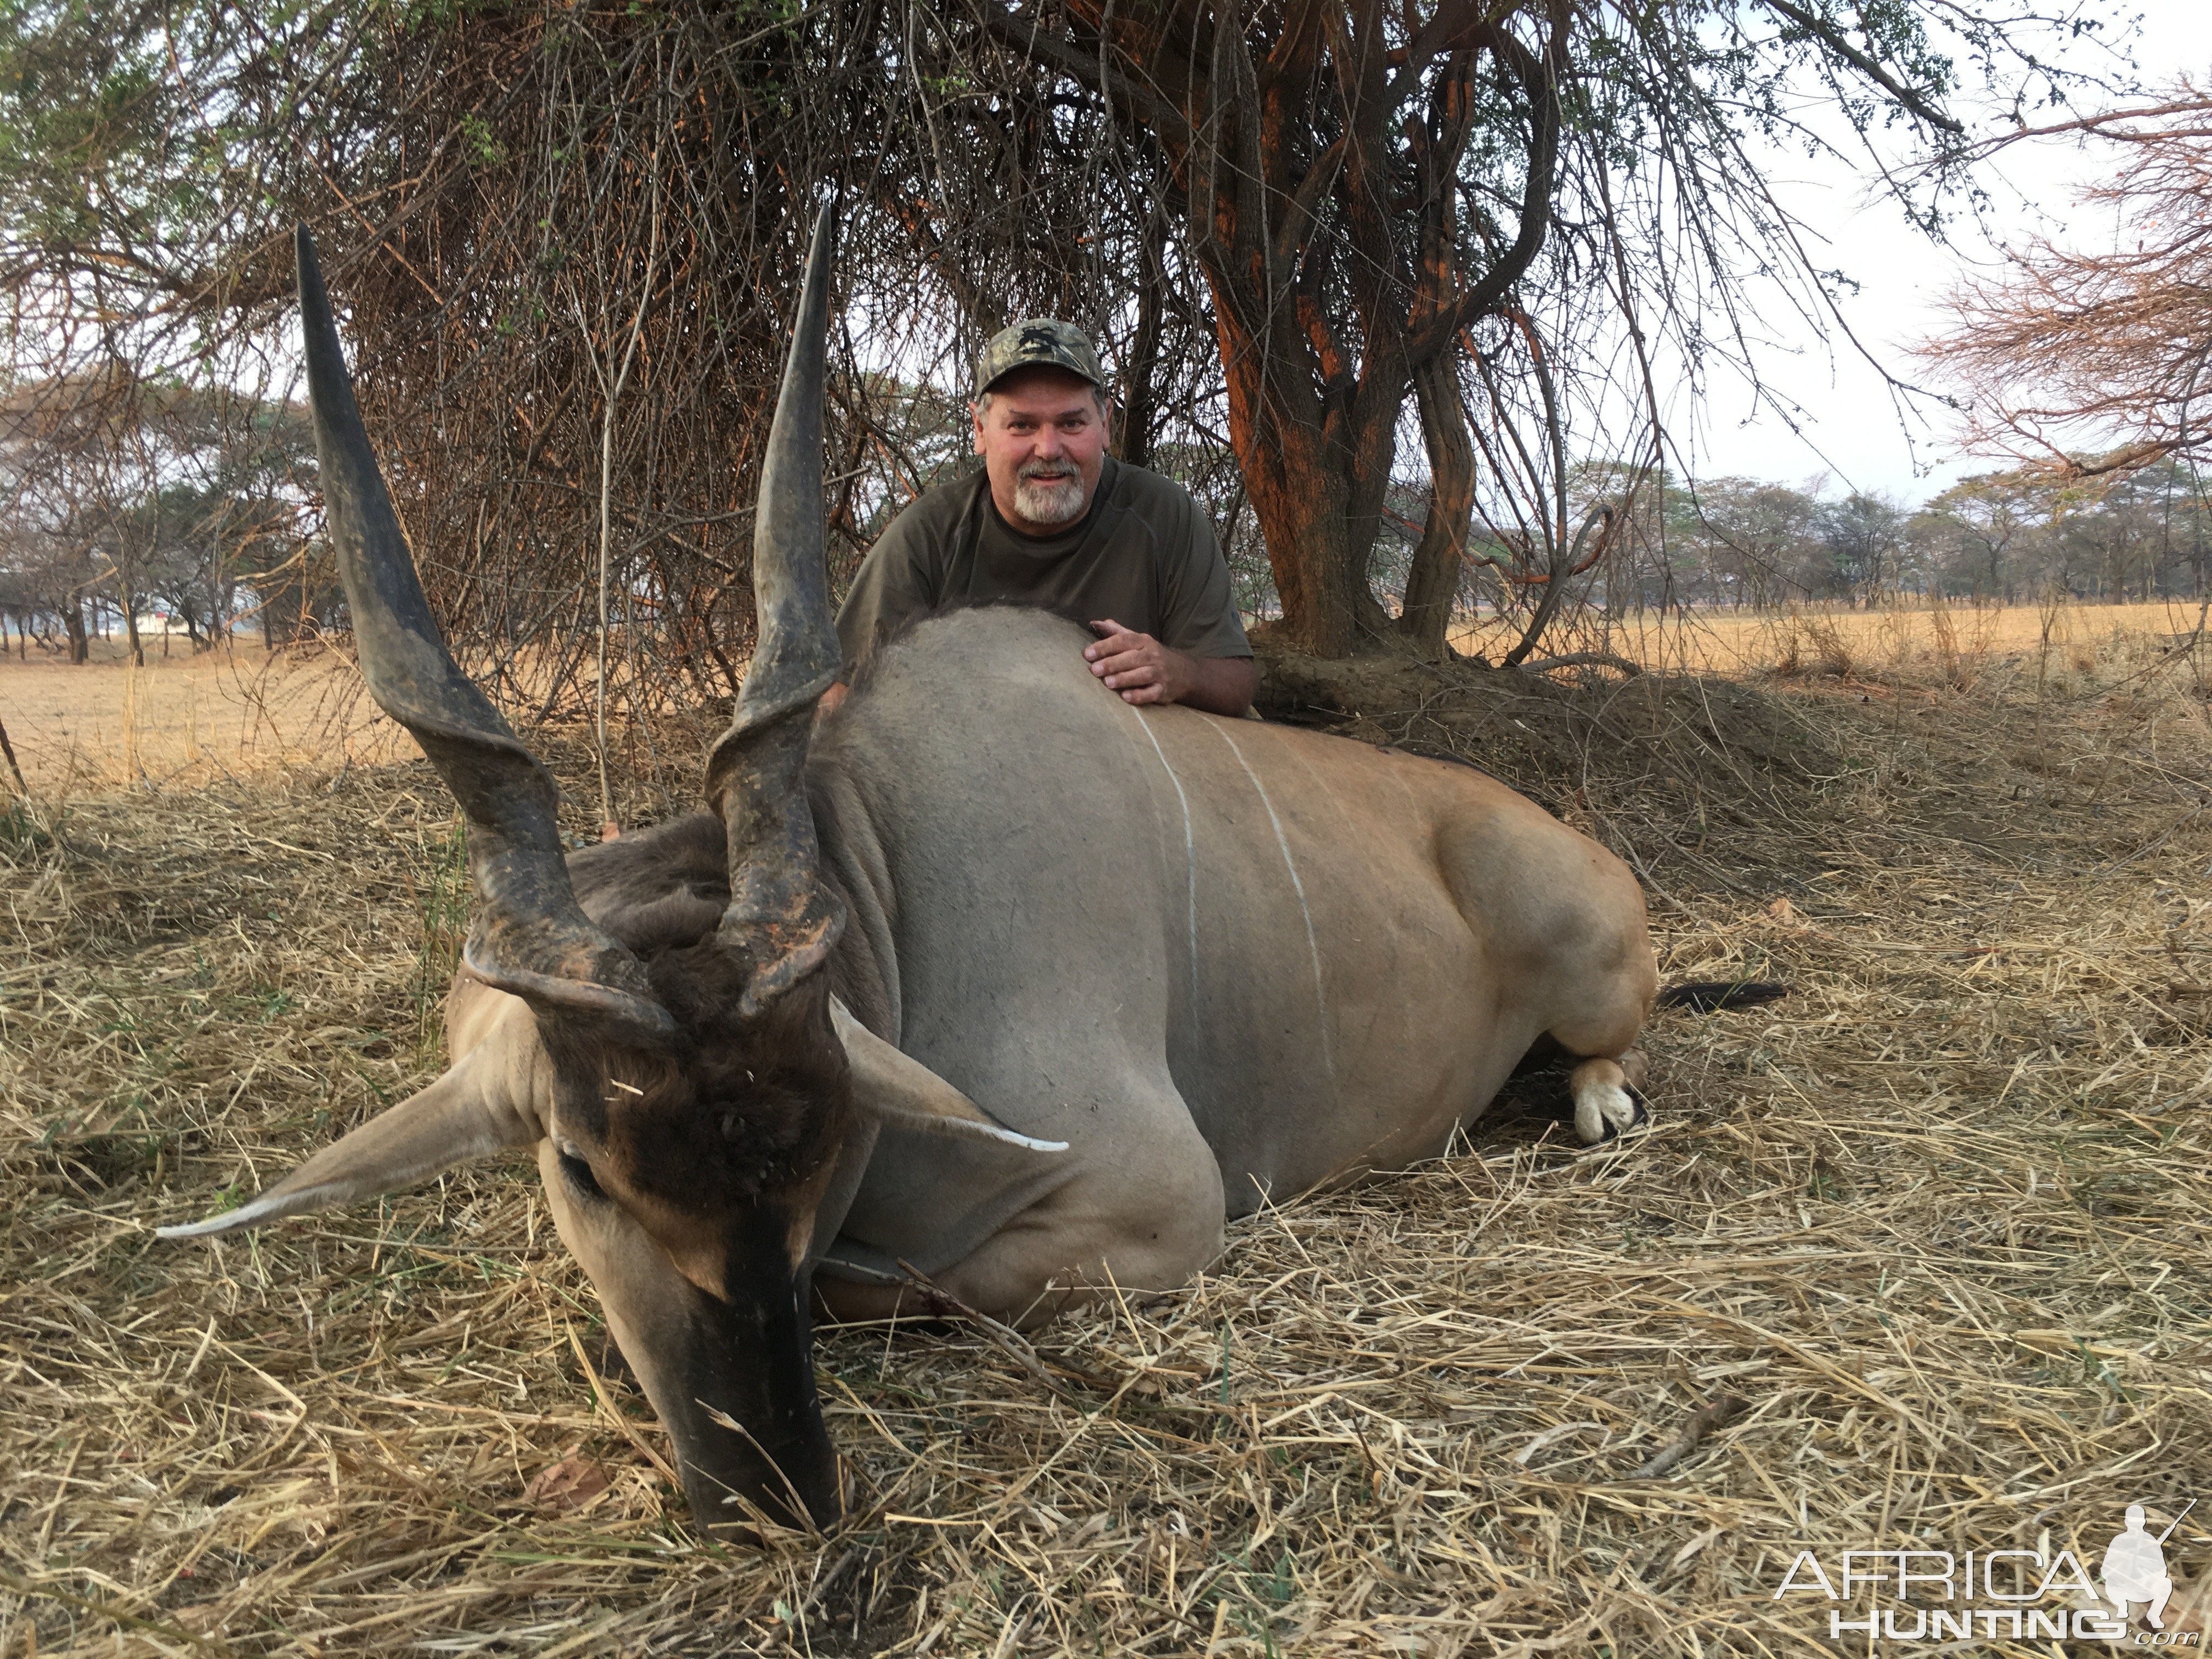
988, 986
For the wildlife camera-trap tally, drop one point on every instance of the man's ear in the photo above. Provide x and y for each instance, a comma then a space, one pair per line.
975, 424
899, 1090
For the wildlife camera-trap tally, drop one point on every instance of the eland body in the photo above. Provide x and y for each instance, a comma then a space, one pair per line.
990, 988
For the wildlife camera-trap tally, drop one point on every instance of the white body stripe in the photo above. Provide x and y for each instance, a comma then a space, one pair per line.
1189, 847
1313, 949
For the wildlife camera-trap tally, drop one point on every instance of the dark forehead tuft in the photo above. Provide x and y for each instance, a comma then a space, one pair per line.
747, 1105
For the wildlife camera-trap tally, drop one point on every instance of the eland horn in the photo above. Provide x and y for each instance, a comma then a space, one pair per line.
779, 915
530, 936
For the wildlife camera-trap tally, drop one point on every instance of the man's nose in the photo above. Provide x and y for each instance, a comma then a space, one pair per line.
1048, 444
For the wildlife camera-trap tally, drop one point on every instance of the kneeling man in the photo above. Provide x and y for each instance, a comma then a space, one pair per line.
1052, 519
2134, 1569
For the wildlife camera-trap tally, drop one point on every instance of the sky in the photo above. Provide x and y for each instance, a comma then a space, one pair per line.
1856, 436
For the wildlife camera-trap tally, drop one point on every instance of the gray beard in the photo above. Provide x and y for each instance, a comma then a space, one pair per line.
1050, 503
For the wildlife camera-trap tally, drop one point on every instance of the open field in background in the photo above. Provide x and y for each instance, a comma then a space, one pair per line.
1939, 1223
183, 720
1870, 642
186, 720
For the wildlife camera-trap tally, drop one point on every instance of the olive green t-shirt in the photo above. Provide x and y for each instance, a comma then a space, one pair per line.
1144, 554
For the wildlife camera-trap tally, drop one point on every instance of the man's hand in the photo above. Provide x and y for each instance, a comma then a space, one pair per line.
1138, 665
1142, 670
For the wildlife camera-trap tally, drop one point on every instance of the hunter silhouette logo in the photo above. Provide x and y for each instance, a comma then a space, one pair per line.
1909, 1597
2134, 1567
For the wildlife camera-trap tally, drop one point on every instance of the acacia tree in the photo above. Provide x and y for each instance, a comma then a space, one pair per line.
1986, 522
1863, 535
2088, 361
563, 234
1361, 184
1756, 534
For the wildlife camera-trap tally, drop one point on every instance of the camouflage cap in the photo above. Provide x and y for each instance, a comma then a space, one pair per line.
1038, 340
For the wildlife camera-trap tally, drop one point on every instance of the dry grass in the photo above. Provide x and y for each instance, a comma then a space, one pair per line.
1942, 1220
184, 721
1872, 641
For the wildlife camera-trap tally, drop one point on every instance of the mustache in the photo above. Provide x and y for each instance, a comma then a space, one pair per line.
1045, 470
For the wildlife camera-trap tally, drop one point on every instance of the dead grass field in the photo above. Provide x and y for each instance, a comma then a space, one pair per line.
1874, 641
1939, 1225
184, 721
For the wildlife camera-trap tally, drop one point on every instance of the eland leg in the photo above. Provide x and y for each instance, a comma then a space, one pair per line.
1603, 1032
1604, 1093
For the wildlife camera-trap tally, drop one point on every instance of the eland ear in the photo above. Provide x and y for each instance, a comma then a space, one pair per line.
453, 1120
903, 1091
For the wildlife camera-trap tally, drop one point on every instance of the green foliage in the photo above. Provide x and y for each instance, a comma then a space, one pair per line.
482, 145
2010, 536
139, 144
20, 830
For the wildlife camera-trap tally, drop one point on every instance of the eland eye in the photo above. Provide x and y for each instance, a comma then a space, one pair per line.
579, 1175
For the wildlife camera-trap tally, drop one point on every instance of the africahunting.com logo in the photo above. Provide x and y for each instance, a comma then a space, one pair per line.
1905, 1596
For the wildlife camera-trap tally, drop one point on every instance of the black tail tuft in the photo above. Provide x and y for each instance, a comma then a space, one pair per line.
1713, 996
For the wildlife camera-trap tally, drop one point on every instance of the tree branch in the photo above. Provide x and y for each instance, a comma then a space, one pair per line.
1539, 79
1832, 37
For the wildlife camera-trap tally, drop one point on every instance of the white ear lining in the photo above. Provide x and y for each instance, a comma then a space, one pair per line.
269, 1206
954, 1125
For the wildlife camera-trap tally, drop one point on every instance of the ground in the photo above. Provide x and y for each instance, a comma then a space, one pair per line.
1917, 1257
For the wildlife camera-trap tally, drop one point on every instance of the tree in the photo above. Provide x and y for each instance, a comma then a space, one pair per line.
2083, 361
1863, 535
1298, 226
1756, 536
1980, 526
116, 493
1361, 186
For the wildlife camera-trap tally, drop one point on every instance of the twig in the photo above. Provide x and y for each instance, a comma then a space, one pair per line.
627, 1429
1582, 659
2171, 653
2152, 845
1718, 1414
1016, 1346
99, 1609
853, 1557
9, 749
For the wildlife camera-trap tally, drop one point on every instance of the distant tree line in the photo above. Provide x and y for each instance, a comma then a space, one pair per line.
133, 502
1999, 537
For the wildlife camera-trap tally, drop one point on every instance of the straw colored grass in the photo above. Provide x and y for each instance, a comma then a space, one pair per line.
1940, 1222
1871, 641
186, 720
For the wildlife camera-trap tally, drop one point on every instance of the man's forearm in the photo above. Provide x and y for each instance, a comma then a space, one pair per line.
1221, 685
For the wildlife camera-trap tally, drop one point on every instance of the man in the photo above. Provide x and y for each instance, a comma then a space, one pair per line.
2134, 1569
1052, 519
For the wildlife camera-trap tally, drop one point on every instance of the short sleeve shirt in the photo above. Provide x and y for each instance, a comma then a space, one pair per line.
1145, 555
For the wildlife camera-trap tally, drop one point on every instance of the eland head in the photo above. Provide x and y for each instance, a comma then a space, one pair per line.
693, 1093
